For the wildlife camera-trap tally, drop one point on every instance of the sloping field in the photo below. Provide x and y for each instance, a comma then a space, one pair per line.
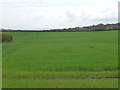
61, 60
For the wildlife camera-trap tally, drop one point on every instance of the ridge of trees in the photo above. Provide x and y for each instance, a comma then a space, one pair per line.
99, 27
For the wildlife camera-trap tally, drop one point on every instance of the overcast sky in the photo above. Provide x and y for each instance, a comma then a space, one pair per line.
52, 14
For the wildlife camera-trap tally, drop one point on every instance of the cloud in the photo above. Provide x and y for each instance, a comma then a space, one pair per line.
119, 12
35, 14
56, 3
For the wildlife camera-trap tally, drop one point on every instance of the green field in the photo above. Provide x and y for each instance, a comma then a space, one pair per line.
61, 60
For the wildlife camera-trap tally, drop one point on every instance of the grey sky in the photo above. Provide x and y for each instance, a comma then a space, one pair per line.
49, 14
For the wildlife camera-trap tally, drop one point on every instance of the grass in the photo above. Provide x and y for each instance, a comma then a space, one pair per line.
66, 59
21, 83
0, 61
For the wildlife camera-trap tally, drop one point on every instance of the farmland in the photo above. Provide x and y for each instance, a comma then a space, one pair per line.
61, 60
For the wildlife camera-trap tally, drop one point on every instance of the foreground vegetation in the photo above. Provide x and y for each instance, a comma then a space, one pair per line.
54, 59
6, 38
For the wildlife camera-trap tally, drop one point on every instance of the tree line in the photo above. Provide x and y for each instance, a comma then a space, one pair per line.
99, 27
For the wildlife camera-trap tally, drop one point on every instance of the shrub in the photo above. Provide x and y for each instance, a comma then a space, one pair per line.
7, 38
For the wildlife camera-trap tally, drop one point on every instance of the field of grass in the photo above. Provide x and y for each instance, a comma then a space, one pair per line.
61, 60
